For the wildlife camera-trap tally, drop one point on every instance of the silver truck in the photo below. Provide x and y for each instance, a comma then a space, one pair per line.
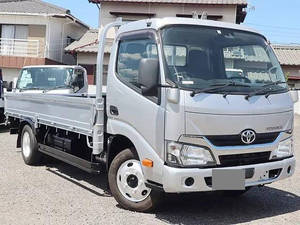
171, 120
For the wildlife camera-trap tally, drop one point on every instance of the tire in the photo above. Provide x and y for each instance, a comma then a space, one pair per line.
235, 193
126, 183
29, 147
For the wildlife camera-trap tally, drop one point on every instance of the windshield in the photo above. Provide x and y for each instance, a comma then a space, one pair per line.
45, 78
198, 57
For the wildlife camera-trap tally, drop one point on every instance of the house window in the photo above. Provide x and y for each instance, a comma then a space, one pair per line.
132, 16
13, 39
14, 31
209, 17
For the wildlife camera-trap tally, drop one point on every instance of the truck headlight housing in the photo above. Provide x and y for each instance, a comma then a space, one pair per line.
285, 149
188, 155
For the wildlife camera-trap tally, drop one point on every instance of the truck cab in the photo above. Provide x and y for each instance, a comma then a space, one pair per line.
168, 81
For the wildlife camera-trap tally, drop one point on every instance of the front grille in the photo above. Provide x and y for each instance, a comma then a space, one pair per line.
244, 159
233, 140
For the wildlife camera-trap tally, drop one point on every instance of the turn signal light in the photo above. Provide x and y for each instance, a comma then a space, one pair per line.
147, 163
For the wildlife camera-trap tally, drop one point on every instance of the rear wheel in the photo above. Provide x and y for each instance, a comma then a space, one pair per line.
127, 183
29, 147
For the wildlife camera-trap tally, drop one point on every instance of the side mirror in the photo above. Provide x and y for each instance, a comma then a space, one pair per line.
9, 86
5, 84
294, 95
148, 76
75, 80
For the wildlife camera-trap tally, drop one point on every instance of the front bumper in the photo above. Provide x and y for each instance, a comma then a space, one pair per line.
174, 178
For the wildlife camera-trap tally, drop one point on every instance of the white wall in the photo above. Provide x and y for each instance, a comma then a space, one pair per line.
59, 30
91, 58
23, 19
54, 39
163, 10
10, 73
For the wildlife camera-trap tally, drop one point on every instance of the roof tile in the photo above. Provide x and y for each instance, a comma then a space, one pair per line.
221, 2
30, 6
288, 54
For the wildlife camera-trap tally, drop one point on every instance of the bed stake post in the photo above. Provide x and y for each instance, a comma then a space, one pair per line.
98, 131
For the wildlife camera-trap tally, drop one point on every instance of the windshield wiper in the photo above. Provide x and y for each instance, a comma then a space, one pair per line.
58, 87
264, 88
218, 86
32, 88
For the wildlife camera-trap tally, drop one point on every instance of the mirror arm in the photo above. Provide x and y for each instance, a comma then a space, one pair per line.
166, 86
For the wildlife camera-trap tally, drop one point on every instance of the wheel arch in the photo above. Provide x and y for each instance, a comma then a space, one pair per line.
22, 124
116, 144
143, 149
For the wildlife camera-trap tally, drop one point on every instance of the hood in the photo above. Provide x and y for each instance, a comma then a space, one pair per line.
212, 114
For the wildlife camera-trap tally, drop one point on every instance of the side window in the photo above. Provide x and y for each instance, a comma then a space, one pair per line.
78, 79
25, 80
130, 54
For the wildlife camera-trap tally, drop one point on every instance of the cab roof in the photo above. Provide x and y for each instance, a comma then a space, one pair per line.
157, 23
53, 66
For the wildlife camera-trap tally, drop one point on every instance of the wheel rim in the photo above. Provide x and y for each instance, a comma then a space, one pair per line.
26, 144
130, 181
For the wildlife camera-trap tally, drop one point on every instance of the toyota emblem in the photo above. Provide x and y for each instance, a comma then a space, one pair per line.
248, 137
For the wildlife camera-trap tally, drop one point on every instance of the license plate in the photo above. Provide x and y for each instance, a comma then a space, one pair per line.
228, 179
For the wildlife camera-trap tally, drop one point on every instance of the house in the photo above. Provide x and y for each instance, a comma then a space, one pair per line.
289, 58
86, 49
222, 10
33, 32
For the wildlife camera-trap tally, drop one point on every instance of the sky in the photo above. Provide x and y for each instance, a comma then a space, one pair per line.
278, 20
82, 9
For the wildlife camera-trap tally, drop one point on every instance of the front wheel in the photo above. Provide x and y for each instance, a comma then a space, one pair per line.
127, 183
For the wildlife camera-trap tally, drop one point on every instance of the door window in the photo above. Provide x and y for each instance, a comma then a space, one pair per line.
130, 54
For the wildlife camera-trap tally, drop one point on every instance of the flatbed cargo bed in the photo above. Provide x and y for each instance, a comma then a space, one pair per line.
69, 112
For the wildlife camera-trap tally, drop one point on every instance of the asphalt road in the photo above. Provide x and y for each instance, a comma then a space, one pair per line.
56, 193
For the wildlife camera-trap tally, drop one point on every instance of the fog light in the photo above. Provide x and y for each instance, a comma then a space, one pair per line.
189, 181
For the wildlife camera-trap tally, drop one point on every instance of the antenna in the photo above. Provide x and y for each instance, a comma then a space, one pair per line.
204, 16
195, 15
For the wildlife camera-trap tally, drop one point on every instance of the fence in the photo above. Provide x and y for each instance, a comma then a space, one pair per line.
19, 47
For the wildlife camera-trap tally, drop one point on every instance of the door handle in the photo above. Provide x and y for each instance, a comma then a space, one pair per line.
114, 110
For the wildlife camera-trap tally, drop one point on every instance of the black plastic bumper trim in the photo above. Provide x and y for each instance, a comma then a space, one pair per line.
154, 185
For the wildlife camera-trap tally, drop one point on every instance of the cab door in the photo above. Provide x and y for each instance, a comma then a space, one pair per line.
125, 101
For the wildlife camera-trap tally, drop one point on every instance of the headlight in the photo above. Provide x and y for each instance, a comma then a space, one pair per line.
188, 155
285, 149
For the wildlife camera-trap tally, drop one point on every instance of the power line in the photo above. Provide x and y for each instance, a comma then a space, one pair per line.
271, 26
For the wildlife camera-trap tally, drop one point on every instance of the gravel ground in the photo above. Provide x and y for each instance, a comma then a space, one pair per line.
60, 194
